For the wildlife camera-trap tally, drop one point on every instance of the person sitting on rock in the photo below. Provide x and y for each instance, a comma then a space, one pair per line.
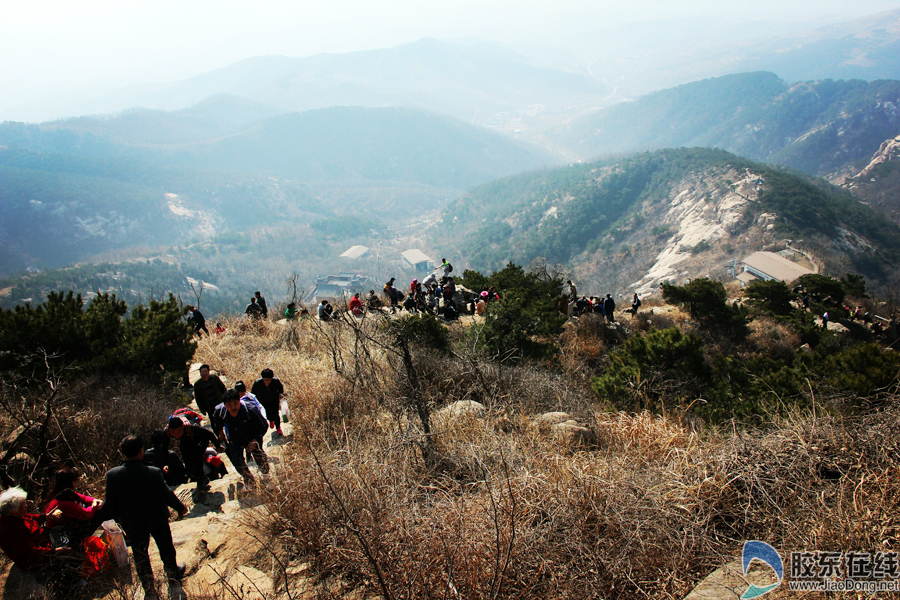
23, 537
481, 304
373, 301
323, 312
291, 312
74, 514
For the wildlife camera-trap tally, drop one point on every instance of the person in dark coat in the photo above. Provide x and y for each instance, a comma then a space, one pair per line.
197, 320
253, 310
609, 305
194, 441
208, 391
261, 303
139, 499
269, 391
242, 425
159, 456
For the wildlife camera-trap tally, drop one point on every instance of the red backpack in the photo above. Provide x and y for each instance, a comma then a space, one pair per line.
189, 416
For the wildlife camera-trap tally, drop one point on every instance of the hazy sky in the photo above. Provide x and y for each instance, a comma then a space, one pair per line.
51, 46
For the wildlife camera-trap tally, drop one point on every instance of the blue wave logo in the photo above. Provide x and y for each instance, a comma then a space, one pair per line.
763, 552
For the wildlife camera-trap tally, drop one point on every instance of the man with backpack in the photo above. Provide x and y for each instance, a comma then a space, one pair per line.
242, 426
446, 267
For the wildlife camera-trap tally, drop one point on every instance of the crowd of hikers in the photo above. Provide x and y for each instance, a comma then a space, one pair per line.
436, 294
58, 544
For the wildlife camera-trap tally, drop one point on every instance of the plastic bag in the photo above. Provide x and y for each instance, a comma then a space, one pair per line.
285, 411
96, 557
115, 539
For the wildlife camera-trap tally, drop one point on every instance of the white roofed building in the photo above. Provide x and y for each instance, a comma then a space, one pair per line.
355, 253
417, 260
768, 265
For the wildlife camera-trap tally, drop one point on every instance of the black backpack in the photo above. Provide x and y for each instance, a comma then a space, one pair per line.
449, 268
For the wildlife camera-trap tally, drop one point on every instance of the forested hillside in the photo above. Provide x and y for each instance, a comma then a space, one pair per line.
620, 220
815, 126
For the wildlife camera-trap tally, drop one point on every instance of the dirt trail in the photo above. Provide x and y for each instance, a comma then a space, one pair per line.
217, 540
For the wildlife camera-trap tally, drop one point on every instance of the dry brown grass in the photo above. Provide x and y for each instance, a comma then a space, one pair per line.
775, 340
500, 510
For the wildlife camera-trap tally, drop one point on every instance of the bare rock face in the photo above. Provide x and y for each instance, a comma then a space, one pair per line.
573, 435
464, 407
837, 328
544, 422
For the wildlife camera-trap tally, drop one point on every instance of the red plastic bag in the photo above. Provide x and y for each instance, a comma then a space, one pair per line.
96, 557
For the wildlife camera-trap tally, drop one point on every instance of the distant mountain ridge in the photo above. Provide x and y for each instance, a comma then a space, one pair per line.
816, 126
469, 80
338, 144
878, 182
628, 224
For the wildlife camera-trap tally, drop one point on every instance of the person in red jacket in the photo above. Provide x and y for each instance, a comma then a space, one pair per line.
75, 514
22, 538
356, 305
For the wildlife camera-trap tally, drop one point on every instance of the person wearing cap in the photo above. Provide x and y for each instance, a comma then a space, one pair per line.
430, 281
139, 499
481, 304
270, 392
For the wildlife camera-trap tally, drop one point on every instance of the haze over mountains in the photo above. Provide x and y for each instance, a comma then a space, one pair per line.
479, 81
265, 147
815, 126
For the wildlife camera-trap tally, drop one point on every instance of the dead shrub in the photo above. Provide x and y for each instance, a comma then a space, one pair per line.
88, 420
773, 338
648, 515
654, 320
